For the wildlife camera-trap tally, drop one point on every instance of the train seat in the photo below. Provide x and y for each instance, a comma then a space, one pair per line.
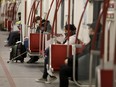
34, 42
59, 54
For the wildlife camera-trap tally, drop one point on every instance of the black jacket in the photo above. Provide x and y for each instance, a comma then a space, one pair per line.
86, 50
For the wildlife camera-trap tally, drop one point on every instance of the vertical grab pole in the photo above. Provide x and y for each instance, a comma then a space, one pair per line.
93, 48
74, 47
48, 14
25, 16
77, 32
29, 17
55, 14
68, 27
32, 16
40, 40
115, 61
45, 25
73, 11
52, 32
115, 50
56, 20
31, 11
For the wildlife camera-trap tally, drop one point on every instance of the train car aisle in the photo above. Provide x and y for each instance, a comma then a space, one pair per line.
20, 74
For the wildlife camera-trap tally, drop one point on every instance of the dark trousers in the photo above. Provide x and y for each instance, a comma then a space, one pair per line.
46, 61
13, 36
65, 73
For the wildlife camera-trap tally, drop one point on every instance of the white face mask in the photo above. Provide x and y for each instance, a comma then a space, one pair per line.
38, 22
91, 32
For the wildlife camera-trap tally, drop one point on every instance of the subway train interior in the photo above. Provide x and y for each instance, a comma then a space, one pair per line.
57, 43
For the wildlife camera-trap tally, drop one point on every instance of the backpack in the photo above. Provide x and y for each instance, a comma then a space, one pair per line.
18, 52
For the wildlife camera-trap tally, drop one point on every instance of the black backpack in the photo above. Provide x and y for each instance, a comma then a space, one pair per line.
18, 52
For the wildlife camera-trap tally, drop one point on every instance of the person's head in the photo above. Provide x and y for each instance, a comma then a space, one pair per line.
92, 27
72, 29
38, 19
19, 16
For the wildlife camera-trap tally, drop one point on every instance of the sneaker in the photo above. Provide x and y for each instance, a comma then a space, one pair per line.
41, 80
7, 45
51, 79
6, 41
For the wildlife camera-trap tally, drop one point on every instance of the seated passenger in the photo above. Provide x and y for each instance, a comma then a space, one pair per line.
48, 28
46, 60
14, 35
82, 69
33, 59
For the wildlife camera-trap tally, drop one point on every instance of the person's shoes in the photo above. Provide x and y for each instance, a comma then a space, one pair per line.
7, 45
31, 61
6, 41
51, 79
41, 80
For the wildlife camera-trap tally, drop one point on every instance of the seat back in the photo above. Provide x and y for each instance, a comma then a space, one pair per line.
58, 55
35, 41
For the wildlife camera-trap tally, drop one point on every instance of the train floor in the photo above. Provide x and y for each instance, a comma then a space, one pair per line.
21, 74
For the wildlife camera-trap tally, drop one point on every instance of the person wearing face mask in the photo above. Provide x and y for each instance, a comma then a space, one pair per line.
72, 36
42, 28
82, 62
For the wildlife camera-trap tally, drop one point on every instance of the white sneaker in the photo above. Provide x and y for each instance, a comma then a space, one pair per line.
51, 79
41, 80
10, 49
50, 71
5, 41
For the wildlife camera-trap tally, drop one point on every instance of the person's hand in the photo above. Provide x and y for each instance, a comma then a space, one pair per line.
66, 61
